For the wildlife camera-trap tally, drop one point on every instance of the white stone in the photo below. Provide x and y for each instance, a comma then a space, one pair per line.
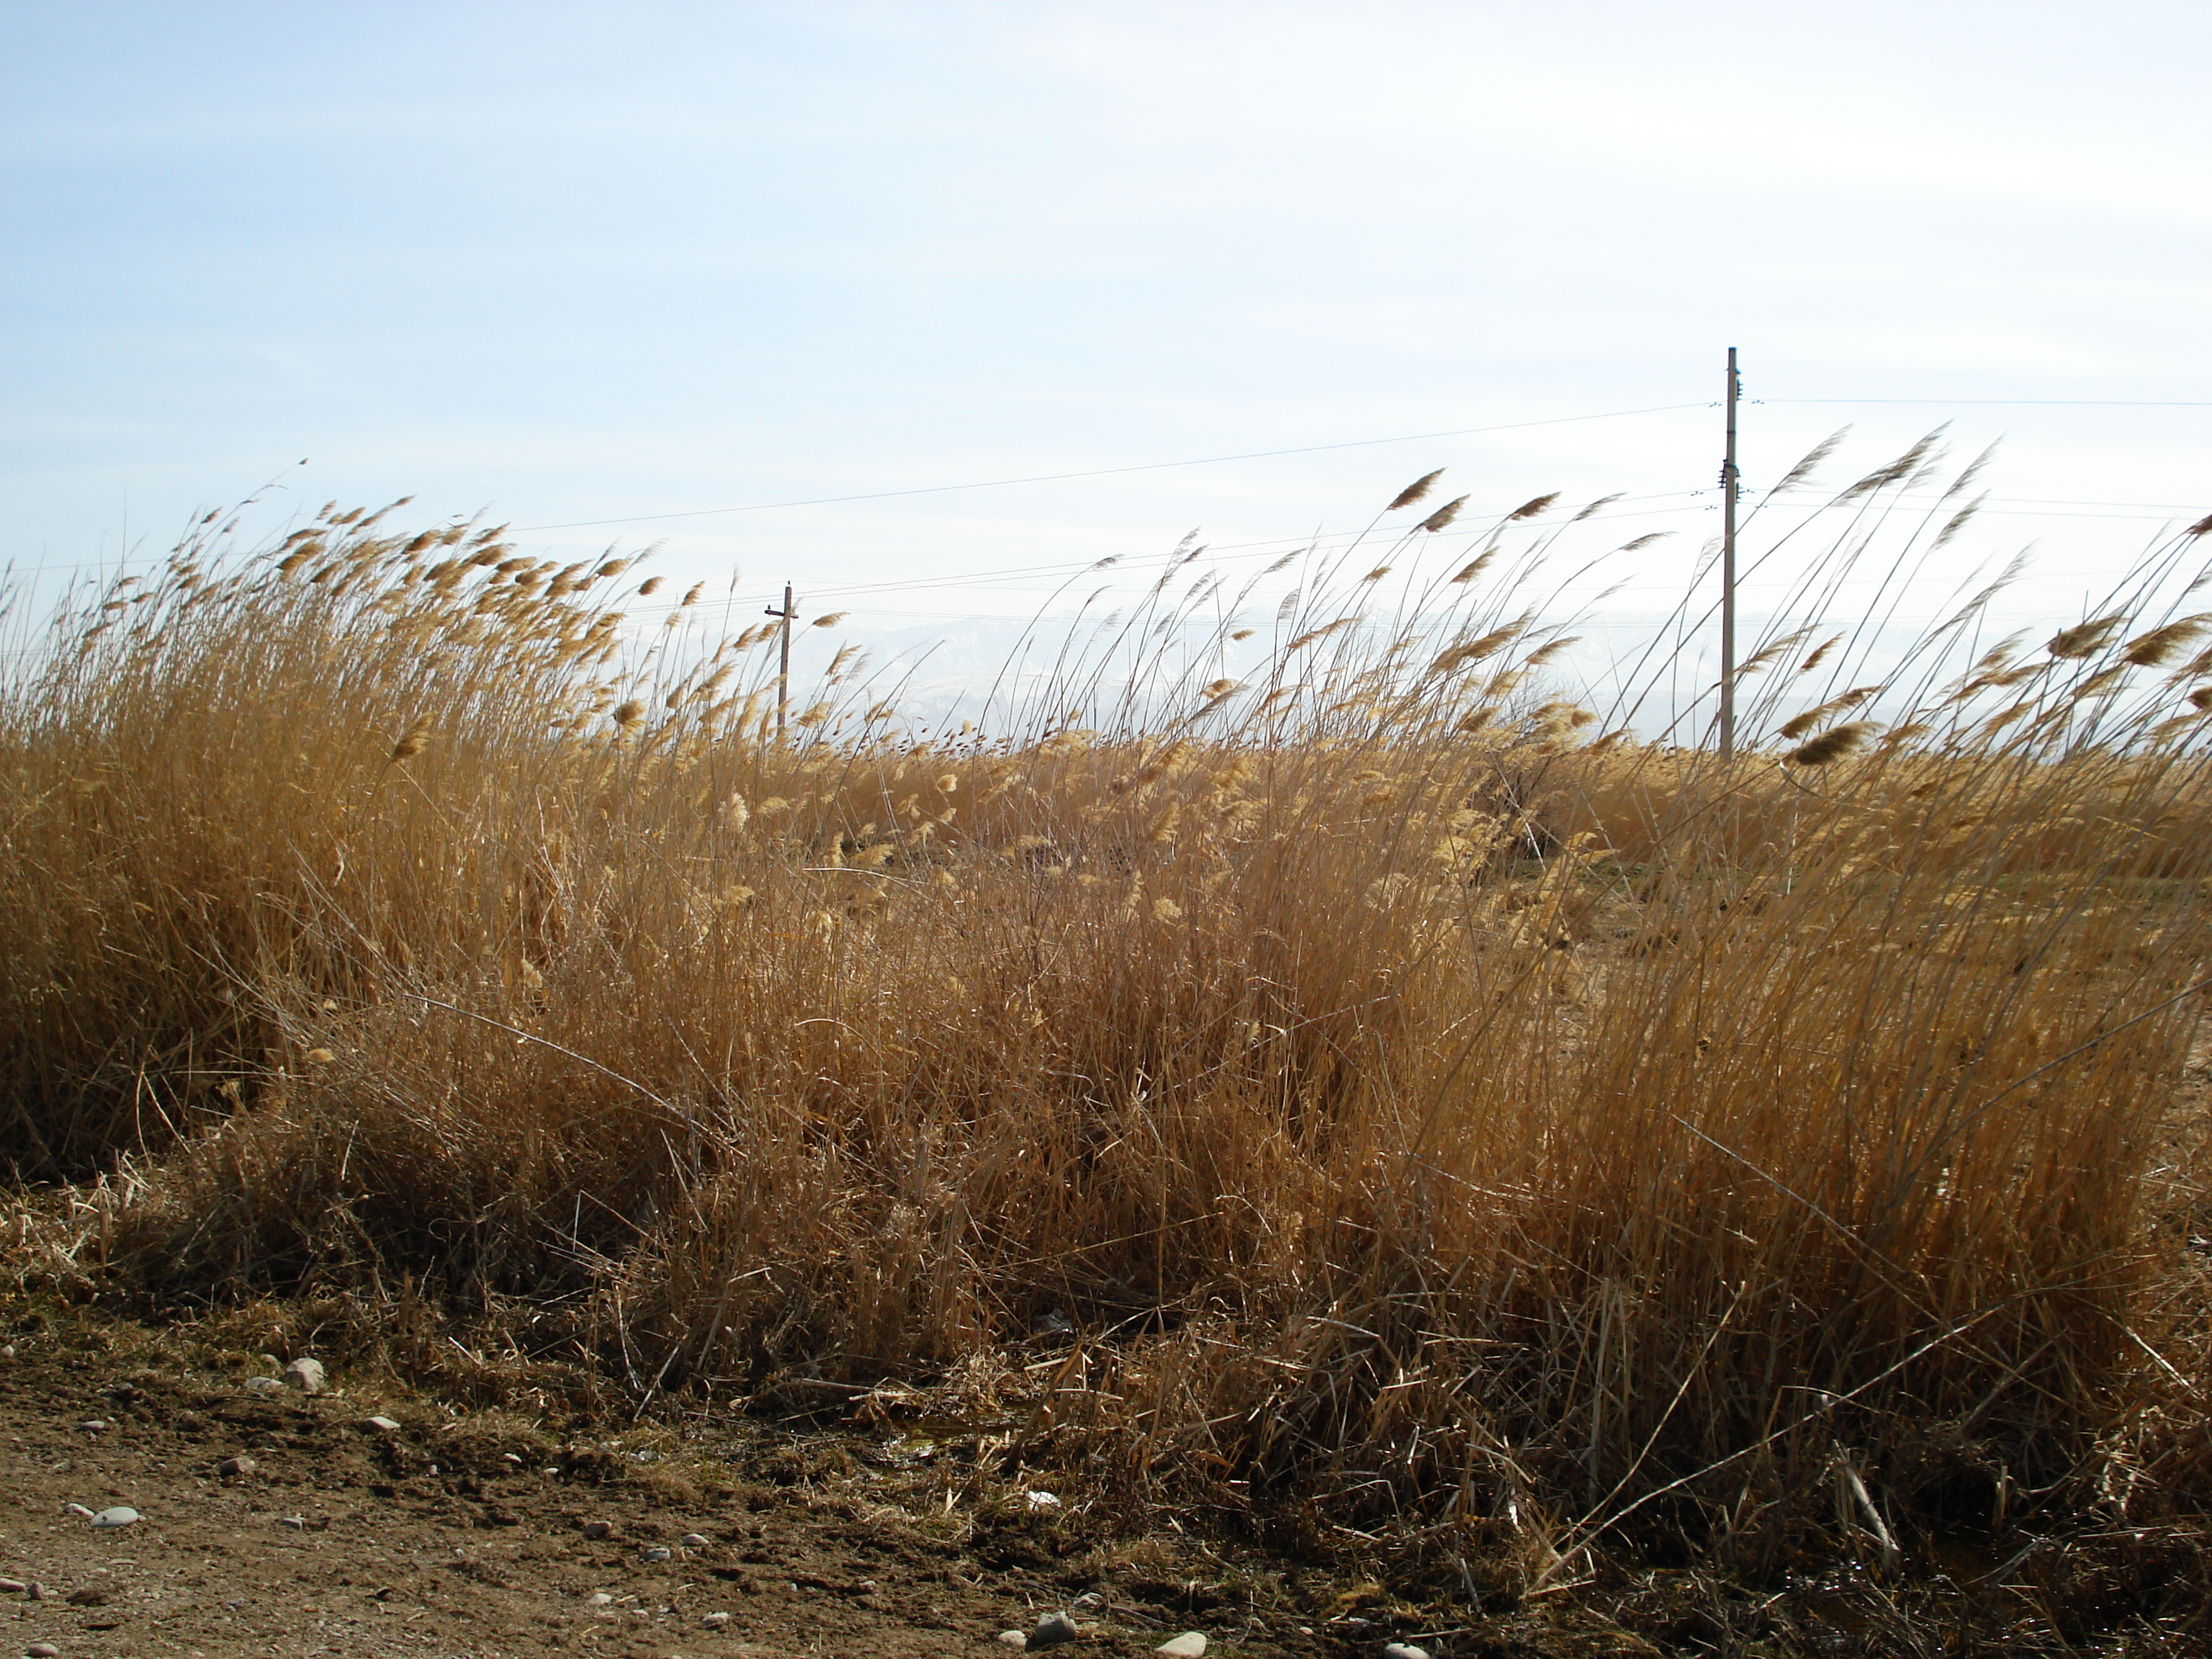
1016, 1639
121, 1515
1052, 1630
715, 1620
1044, 1500
1191, 1645
1403, 1650
305, 1375
693, 1540
381, 1424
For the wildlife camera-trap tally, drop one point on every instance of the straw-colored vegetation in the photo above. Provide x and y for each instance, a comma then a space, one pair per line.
1430, 1104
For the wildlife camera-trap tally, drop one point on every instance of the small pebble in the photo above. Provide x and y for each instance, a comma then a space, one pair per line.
1016, 1639
551, 1472
12, 1587
658, 1553
1191, 1645
293, 1523
240, 1465
36, 1591
78, 1511
1091, 1599
8, 1353
510, 1460
381, 1424
121, 1515
715, 1620
94, 1425
1052, 1630
42, 1650
599, 1528
1403, 1650
305, 1375
1044, 1500
693, 1540
262, 1385
601, 1599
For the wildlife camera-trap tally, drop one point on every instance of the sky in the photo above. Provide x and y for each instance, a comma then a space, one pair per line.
602, 271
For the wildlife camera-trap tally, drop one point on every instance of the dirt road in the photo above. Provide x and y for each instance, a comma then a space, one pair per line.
455, 1532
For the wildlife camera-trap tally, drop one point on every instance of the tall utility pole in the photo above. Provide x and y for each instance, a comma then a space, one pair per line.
783, 650
1728, 573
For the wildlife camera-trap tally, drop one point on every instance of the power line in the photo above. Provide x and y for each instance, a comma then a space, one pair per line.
1101, 472
2011, 403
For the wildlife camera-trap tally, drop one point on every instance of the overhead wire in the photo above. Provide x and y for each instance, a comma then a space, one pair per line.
1103, 471
2006, 506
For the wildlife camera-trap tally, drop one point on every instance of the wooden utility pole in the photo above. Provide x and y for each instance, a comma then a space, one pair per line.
783, 655
1727, 572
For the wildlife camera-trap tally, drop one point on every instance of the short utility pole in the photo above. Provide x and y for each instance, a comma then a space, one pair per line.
783, 653
1728, 482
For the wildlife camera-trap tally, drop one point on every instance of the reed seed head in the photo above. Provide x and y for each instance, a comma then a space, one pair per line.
1833, 744
411, 743
2161, 644
2084, 639
1443, 515
1415, 491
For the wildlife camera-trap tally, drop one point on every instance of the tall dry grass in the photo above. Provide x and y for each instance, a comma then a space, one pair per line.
1424, 1098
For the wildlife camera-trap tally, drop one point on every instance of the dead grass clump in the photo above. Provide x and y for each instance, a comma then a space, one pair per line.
1413, 1104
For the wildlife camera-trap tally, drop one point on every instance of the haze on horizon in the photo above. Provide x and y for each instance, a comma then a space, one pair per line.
581, 268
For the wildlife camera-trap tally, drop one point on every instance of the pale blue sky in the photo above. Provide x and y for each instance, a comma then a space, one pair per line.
573, 262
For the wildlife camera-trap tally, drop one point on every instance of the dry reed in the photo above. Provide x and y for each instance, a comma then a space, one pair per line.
1544, 1135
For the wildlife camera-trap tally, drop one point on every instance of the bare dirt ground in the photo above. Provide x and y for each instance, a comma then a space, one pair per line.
503, 1509
481, 1533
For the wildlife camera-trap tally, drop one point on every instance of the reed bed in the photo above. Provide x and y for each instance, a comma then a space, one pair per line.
1427, 1100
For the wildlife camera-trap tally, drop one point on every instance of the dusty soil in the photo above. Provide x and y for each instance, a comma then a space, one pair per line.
503, 1520
464, 1532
